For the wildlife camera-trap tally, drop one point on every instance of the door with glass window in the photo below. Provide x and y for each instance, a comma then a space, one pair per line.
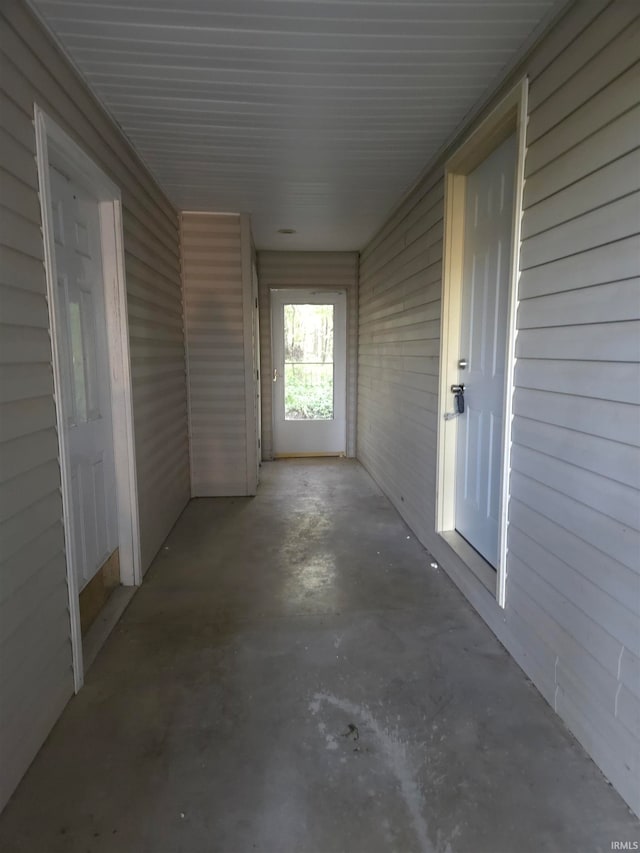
309, 347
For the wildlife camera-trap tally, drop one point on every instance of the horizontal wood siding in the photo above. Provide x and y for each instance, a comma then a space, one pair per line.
214, 315
35, 650
307, 270
573, 588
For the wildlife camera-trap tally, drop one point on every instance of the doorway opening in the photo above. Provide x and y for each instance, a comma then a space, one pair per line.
309, 346
86, 292
483, 195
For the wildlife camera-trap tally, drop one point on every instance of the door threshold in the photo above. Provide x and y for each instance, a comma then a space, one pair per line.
105, 622
308, 455
474, 561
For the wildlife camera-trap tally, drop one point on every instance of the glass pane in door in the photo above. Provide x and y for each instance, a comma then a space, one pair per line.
308, 362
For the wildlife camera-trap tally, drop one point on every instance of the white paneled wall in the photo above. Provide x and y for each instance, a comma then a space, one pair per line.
218, 318
572, 617
307, 270
35, 650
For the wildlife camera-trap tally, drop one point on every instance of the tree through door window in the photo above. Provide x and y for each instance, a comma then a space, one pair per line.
308, 362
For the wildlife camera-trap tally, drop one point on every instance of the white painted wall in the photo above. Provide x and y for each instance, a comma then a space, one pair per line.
308, 271
35, 650
572, 617
217, 281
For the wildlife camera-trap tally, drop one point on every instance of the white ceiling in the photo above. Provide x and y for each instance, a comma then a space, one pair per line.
309, 114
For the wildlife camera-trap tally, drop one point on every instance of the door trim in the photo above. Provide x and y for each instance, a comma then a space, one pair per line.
255, 310
314, 295
249, 355
509, 116
53, 144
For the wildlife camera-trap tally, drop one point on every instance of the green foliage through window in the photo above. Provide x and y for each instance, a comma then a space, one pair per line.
308, 392
308, 336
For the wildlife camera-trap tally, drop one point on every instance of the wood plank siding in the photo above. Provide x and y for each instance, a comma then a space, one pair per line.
35, 650
307, 270
573, 588
215, 313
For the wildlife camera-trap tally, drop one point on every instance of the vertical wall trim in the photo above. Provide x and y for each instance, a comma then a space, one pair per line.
124, 444
185, 332
509, 367
249, 370
352, 405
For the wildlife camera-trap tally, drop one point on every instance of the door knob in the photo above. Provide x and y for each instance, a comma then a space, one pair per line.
463, 363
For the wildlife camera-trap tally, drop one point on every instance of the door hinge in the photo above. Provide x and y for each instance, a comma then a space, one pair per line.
256, 302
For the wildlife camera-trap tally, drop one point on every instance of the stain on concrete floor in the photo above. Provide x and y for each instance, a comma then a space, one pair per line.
221, 715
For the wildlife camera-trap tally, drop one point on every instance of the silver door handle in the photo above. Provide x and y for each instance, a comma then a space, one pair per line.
458, 396
275, 374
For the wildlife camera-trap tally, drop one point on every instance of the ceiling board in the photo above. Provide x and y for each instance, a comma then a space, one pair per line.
315, 115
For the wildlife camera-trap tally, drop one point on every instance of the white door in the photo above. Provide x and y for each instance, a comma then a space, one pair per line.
86, 403
309, 350
484, 311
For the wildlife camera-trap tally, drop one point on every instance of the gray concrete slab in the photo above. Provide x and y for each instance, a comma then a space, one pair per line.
294, 677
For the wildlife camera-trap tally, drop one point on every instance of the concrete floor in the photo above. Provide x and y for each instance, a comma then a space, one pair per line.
294, 677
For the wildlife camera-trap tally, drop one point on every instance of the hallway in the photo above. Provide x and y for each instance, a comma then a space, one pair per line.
294, 677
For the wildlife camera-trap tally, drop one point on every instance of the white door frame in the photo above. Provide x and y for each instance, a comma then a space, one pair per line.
53, 145
509, 116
